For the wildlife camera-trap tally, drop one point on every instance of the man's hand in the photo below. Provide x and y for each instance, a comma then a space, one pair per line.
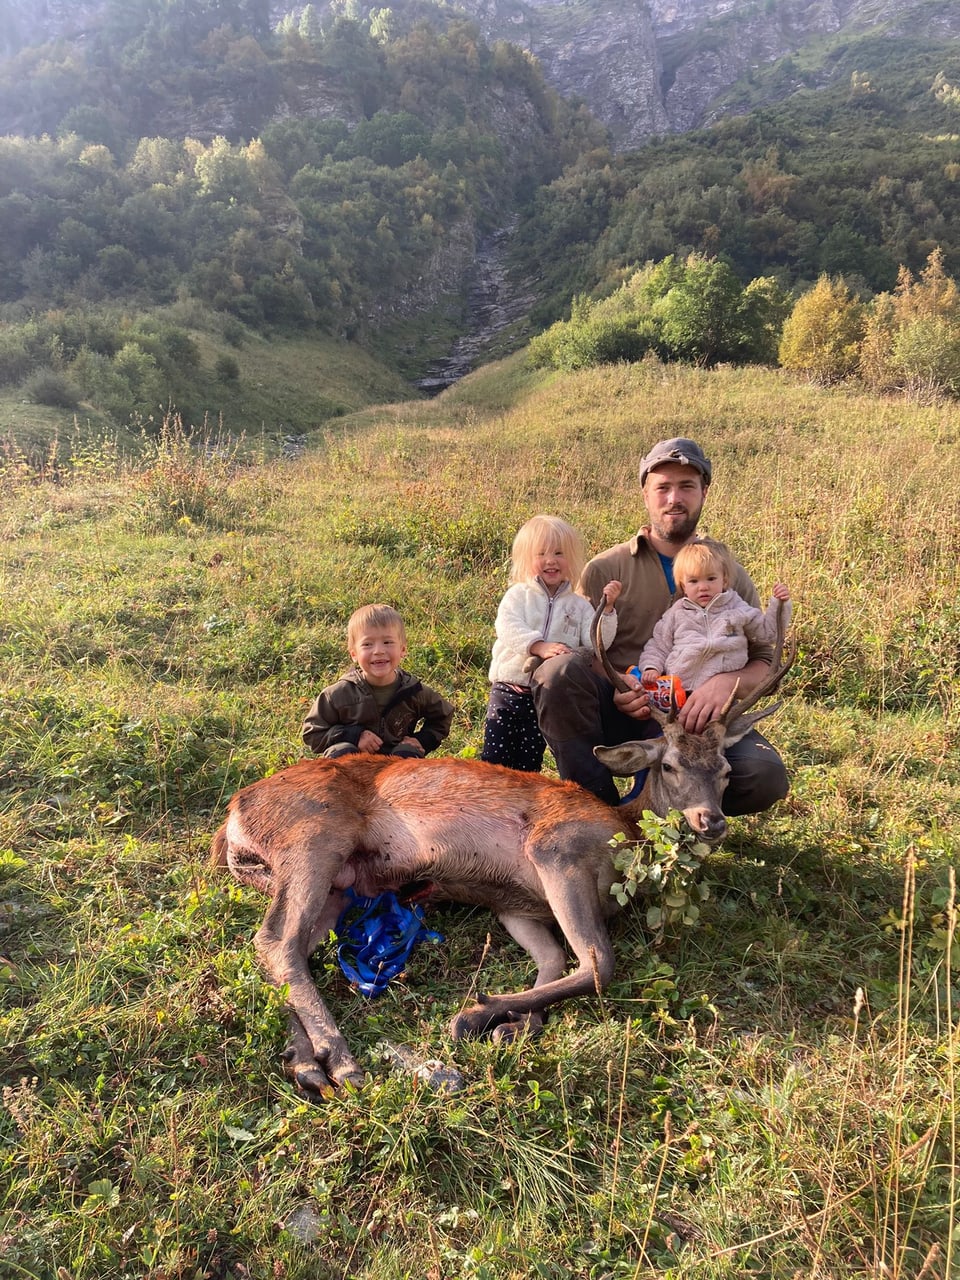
635, 702
706, 703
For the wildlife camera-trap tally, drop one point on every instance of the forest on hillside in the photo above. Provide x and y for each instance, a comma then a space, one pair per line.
336, 175
313, 221
856, 179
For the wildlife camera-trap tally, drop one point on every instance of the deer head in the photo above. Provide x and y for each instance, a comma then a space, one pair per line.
688, 771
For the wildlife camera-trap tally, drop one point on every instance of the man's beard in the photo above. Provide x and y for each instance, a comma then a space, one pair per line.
678, 531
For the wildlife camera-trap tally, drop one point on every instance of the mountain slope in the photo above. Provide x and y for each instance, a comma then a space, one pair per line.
643, 67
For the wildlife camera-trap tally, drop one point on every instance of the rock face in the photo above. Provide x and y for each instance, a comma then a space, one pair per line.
643, 67
495, 301
604, 52
647, 67
33, 21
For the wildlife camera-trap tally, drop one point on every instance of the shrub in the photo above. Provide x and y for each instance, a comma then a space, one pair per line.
53, 388
126, 384
172, 348
15, 359
227, 369
233, 331
926, 354
596, 340
822, 335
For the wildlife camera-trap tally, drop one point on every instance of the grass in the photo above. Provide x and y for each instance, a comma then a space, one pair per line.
284, 386
771, 1093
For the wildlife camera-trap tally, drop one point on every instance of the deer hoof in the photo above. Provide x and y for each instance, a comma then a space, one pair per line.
530, 1024
479, 1020
316, 1083
313, 1084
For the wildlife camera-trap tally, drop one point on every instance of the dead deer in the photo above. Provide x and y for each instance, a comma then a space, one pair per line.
534, 850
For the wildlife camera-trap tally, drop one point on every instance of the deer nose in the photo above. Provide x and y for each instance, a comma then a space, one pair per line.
710, 824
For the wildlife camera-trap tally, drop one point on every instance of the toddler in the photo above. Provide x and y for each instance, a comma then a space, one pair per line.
707, 631
540, 617
377, 706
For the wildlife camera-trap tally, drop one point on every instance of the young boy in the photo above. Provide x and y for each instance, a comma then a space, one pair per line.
709, 629
377, 707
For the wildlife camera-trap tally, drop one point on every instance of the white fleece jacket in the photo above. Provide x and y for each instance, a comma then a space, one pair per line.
528, 613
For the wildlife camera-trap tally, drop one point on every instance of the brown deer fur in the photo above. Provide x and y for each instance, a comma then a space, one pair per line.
534, 850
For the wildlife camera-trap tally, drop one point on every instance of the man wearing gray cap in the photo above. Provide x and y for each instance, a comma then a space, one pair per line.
579, 709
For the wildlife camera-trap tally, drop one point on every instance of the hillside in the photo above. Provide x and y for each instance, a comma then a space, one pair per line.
395, 182
642, 68
771, 1091
857, 178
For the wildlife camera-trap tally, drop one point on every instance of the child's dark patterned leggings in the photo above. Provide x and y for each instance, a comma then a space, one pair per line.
510, 733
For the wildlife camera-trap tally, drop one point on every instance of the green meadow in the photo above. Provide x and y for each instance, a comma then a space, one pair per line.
771, 1093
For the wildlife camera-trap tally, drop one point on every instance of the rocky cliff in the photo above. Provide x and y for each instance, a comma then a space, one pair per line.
643, 67
648, 67
24, 22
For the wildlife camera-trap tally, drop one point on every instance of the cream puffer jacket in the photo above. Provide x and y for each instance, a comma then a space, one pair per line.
695, 643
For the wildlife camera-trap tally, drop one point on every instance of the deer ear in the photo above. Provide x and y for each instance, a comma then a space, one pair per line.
630, 757
743, 724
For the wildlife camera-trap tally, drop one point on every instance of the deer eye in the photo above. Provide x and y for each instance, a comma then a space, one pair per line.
666, 768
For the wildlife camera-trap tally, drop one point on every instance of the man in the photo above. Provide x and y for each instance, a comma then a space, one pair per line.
578, 708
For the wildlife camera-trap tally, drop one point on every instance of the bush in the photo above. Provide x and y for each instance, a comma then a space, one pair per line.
578, 344
822, 335
227, 369
233, 331
15, 360
50, 387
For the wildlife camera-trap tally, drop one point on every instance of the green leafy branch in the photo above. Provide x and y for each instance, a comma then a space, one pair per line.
666, 864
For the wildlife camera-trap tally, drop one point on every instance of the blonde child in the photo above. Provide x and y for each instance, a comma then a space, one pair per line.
378, 707
540, 617
709, 628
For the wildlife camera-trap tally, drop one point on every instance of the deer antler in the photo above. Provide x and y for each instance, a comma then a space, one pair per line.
615, 678
738, 707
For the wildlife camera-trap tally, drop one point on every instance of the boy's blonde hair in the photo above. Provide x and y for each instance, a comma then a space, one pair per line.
539, 534
374, 617
700, 557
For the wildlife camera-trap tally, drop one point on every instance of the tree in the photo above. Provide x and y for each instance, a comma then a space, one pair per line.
912, 338
763, 309
822, 334
311, 29
383, 25
389, 139
701, 315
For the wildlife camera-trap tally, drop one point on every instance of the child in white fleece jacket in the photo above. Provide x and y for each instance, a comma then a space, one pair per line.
540, 617
709, 629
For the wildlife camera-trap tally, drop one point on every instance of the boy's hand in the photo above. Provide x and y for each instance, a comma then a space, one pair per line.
415, 743
368, 741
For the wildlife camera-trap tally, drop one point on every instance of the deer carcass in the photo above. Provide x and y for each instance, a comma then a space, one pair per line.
534, 850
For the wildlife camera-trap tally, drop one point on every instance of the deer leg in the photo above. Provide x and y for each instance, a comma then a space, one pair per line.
317, 1058
538, 941
571, 892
